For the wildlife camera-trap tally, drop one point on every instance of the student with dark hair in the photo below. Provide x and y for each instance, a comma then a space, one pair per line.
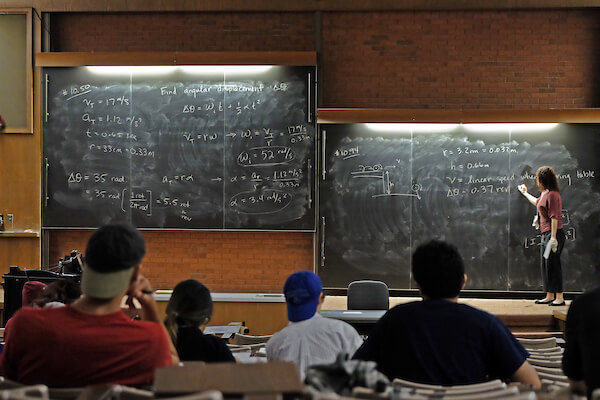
58, 294
439, 341
188, 312
582, 349
91, 341
549, 211
31, 291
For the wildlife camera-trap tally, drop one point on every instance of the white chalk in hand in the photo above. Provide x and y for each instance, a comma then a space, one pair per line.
552, 245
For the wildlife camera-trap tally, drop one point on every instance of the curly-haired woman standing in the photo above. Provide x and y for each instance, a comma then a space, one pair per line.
549, 208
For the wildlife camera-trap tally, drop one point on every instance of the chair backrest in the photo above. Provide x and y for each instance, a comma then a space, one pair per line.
8, 384
35, 392
423, 388
549, 357
545, 363
368, 295
506, 392
544, 352
545, 343
241, 339
549, 385
206, 395
549, 370
553, 377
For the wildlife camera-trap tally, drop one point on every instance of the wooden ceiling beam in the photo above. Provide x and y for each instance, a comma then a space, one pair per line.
288, 5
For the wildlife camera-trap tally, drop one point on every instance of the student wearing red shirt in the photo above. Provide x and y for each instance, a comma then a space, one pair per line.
91, 341
549, 208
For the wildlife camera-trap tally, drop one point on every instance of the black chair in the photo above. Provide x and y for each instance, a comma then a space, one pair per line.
368, 295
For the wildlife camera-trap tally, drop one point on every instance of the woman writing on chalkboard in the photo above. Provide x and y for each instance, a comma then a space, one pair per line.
549, 207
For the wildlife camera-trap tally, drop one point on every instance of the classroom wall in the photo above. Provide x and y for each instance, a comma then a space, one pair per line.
425, 59
461, 59
223, 261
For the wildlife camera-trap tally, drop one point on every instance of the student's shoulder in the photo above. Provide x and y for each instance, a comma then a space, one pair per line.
37, 314
553, 194
33, 320
331, 323
405, 309
475, 313
212, 340
591, 298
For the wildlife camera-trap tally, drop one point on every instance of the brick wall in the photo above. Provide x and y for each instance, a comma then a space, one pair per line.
183, 32
461, 59
453, 59
223, 261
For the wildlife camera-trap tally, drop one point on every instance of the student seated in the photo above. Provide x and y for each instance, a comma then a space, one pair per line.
582, 351
188, 312
309, 339
58, 294
31, 291
92, 341
439, 341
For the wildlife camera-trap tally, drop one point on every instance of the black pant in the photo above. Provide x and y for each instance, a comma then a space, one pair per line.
551, 268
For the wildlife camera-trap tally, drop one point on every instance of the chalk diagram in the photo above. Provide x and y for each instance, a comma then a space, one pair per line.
378, 171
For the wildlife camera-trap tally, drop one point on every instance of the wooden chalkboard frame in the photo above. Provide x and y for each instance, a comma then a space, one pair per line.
27, 65
327, 116
366, 115
74, 59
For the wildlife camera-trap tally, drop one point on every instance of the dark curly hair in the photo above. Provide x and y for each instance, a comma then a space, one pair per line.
545, 178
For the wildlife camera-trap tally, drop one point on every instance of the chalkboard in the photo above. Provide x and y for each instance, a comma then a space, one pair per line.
172, 147
382, 193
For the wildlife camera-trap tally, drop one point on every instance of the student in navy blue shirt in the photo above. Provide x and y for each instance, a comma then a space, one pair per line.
439, 341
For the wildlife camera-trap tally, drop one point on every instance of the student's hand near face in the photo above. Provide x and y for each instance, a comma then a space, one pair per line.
139, 287
141, 290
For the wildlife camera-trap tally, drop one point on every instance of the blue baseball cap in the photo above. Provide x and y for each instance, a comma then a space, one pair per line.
302, 290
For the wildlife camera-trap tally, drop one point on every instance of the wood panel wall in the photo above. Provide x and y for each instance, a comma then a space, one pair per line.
20, 183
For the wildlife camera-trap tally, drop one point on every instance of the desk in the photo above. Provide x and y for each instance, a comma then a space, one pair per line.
561, 318
227, 331
362, 320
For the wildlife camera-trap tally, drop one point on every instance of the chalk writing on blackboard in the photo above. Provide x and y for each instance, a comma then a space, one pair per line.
180, 151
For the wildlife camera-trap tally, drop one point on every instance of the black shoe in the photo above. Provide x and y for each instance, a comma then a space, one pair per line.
553, 304
544, 301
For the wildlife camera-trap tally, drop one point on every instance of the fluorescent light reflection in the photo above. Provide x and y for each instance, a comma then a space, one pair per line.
227, 69
513, 127
429, 128
189, 69
132, 69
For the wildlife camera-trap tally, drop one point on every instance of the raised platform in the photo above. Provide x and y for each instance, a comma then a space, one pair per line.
521, 316
265, 314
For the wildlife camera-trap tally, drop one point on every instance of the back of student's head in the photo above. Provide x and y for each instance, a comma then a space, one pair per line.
111, 255
190, 305
438, 269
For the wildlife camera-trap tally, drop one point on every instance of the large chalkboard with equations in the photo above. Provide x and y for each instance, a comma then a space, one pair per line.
179, 147
383, 192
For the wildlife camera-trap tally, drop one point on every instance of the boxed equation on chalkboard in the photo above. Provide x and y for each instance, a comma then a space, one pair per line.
179, 149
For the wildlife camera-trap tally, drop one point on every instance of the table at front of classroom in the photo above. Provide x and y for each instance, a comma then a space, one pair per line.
560, 316
362, 320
